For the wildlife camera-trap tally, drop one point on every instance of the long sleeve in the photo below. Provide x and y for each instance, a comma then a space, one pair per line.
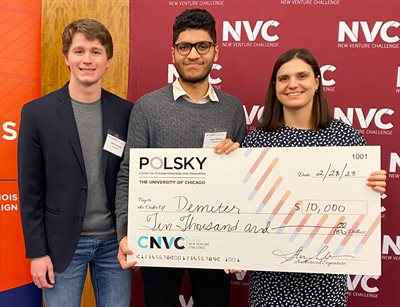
241, 130
31, 181
138, 136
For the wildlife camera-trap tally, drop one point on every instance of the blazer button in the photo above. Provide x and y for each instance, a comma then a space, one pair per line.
84, 190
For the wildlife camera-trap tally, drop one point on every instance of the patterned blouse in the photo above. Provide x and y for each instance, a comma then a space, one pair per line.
300, 289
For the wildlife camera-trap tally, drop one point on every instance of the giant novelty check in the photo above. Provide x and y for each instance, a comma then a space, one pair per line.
274, 209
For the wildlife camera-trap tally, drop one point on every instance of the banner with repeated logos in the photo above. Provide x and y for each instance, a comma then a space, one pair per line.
356, 43
19, 83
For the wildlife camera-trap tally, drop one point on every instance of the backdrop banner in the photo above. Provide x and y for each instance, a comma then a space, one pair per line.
19, 83
356, 43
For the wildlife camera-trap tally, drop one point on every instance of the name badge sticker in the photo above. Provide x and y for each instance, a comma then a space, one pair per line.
114, 144
212, 139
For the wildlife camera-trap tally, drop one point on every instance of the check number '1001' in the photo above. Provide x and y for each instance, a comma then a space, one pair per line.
359, 156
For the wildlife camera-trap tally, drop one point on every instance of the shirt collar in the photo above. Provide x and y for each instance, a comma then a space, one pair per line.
178, 91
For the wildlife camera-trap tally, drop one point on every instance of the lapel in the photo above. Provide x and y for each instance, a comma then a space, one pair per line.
66, 114
108, 117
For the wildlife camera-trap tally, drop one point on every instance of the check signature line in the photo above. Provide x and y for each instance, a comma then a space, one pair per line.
322, 256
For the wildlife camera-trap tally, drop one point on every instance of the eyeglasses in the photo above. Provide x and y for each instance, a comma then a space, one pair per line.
201, 47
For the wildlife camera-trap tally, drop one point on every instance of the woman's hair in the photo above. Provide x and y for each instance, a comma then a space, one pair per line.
272, 117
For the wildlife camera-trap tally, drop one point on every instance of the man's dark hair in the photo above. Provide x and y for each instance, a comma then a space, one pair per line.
194, 19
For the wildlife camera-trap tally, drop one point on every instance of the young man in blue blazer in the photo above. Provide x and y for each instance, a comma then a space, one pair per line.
69, 151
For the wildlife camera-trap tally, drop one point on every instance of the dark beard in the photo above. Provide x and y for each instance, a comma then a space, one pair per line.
193, 80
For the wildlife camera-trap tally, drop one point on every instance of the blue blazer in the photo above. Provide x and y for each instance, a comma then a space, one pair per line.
51, 172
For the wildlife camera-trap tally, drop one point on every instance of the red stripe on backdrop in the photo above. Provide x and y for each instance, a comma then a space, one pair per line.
356, 44
19, 83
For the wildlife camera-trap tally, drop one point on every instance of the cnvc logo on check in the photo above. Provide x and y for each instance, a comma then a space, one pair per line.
161, 242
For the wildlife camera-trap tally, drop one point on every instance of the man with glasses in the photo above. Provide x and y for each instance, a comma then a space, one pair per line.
182, 115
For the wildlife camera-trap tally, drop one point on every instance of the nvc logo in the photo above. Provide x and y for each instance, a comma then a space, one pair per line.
251, 32
175, 163
389, 244
324, 80
161, 242
173, 74
394, 162
394, 165
370, 33
378, 116
364, 281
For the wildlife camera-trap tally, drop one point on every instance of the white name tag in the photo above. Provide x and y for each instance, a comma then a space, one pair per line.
212, 139
114, 145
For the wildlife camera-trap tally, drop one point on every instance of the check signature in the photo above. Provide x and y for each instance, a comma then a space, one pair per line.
323, 256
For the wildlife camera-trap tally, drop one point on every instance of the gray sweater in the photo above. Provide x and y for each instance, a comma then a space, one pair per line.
158, 121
